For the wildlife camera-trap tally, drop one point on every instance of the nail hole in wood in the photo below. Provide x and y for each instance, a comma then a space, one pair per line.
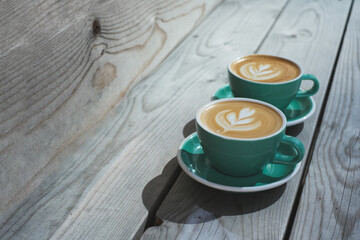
96, 27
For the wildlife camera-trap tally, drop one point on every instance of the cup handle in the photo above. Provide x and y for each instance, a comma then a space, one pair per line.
311, 91
289, 160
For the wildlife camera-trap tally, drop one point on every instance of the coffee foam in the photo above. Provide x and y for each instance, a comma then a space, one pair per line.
264, 68
241, 119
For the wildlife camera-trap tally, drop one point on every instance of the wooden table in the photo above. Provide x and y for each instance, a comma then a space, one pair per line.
97, 96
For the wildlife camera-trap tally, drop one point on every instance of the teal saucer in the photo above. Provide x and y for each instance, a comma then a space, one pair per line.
297, 112
195, 164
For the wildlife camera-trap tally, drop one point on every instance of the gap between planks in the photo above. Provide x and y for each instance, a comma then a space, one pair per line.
271, 27
316, 133
151, 219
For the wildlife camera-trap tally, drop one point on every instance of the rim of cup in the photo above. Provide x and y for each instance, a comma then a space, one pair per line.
241, 100
278, 83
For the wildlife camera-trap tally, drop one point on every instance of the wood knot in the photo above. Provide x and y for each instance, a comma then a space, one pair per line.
352, 149
96, 27
158, 221
104, 76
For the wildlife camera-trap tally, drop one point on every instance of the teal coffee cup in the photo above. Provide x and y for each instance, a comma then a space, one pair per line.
241, 135
275, 80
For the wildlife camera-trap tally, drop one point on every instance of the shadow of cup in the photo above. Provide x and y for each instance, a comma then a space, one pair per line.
190, 202
178, 198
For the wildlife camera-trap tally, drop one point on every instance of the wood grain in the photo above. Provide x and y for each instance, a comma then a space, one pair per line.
330, 205
310, 33
71, 122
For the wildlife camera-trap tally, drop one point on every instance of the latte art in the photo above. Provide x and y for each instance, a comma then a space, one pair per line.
241, 119
263, 68
260, 72
243, 122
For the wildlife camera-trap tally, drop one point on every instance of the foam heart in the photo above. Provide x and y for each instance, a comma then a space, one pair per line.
263, 67
244, 113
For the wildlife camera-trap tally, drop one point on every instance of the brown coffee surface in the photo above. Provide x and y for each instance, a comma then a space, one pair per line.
264, 68
241, 119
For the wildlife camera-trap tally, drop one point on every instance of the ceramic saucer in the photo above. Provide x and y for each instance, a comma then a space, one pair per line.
195, 164
297, 112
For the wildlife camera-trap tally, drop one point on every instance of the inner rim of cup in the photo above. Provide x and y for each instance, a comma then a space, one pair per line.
269, 83
198, 114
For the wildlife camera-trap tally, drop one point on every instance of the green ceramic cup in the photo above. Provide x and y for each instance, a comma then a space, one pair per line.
278, 94
245, 157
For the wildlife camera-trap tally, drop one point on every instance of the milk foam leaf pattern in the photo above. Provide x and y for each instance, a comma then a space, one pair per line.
244, 122
244, 113
263, 67
260, 72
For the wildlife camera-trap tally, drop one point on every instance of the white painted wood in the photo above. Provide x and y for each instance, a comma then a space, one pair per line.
76, 129
310, 33
330, 204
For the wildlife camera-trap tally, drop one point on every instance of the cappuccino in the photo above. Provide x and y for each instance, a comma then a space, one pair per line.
241, 119
265, 69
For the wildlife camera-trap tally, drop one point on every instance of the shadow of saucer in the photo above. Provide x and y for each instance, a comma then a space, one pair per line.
295, 130
190, 202
189, 128
175, 197
183, 200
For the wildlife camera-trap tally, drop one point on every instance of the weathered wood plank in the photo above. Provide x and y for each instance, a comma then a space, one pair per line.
73, 129
310, 33
330, 204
